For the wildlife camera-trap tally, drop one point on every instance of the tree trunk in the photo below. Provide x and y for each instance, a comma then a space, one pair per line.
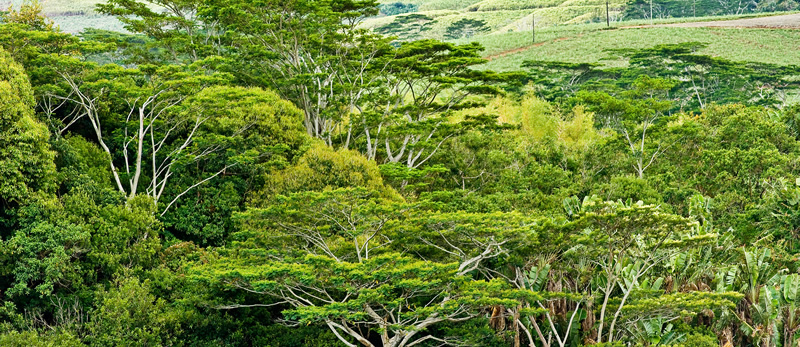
606, 295
516, 326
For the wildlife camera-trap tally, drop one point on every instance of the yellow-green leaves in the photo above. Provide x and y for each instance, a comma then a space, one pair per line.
26, 160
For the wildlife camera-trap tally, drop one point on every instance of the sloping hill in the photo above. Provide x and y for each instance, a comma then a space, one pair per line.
788, 21
772, 39
502, 16
72, 15
432, 5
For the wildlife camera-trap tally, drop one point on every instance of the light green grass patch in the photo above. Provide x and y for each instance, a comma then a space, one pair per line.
73, 16
776, 46
431, 5
56, 8
374, 22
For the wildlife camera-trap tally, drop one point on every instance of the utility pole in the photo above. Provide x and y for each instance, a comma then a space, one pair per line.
608, 20
651, 12
533, 27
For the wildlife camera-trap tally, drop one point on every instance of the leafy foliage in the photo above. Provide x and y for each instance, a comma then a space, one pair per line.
466, 28
385, 194
26, 160
407, 28
396, 8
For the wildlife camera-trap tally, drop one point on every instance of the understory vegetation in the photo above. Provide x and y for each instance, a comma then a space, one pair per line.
274, 173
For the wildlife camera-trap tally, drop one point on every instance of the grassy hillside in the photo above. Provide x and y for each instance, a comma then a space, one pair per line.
73, 15
587, 43
432, 5
60, 7
507, 15
504, 16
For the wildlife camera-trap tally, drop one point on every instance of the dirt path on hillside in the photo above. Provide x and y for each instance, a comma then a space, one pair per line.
787, 21
521, 49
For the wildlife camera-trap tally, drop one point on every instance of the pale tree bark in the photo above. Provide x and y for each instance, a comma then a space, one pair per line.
612, 266
552, 332
637, 146
397, 328
415, 149
340, 74
148, 115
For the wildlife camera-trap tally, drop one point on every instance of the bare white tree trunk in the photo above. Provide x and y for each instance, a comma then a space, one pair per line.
149, 111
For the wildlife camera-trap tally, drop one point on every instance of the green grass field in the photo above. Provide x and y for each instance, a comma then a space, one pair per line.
73, 15
588, 42
61, 6
507, 15
431, 5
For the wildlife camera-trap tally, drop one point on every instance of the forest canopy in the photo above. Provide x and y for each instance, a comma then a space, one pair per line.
272, 173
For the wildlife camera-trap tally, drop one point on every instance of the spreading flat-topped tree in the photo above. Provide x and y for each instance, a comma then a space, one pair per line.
395, 8
327, 257
626, 241
635, 115
466, 28
177, 32
408, 118
408, 27
312, 53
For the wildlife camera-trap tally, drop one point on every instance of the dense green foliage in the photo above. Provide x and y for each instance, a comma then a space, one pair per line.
395, 8
270, 173
26, 162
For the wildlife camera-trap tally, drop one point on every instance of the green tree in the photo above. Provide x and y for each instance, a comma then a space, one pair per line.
246, 135
560, 78
399, 296
35, 339
312, 53
408, 27
42, 49
411, 115
322, 168
154, 122
699, 80
331, 262
626, 241
466, 28
26, 160
633, 115
76, 241
30, 15
128, 314
396, 8
179, 36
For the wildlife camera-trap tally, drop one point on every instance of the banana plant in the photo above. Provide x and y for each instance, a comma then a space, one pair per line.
537, 277
655, 332
790, 301
760, 319
763, 323
631, 280
552, 330
700, 209
784, 216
